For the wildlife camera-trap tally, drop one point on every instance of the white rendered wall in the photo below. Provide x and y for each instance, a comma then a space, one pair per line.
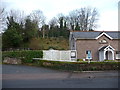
57, 55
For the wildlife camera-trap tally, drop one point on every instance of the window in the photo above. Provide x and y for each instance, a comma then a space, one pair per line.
88, 54
117, 54
73, 54
103, 41
73, 44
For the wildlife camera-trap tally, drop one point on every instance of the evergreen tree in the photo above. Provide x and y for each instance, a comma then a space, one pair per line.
61, 23
11, 37
31, 30
77, 26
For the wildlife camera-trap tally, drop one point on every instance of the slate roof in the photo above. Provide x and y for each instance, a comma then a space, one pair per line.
94, 34
103, 48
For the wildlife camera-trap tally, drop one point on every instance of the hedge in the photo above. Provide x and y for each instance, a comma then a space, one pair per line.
79, 66
26, 55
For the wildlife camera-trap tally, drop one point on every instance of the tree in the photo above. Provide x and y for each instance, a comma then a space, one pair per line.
30, 30
53, 22
77, 27
11, 37
61, 20
72, 19
38, 17
2, 19
84, 19
54, 29
18, 16
45, 30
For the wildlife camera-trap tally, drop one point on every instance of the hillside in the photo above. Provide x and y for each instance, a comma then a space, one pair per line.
47, 43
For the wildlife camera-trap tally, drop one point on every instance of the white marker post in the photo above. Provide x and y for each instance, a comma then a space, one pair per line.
88, 60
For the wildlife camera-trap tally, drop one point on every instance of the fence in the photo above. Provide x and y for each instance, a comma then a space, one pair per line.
59, 55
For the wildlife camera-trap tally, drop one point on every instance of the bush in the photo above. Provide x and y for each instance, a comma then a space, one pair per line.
79, 66
81, 60
110, 60
25, 56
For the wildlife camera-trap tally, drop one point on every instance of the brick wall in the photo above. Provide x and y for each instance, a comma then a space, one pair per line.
92, 44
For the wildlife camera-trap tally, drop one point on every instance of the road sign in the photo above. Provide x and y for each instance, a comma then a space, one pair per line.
89, 54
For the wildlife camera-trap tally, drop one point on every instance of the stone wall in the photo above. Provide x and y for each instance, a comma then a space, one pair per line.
8, 60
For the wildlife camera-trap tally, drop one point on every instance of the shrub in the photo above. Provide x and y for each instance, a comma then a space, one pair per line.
79, 66
51, 47
11, 54
110, 60
26, 56
81, 60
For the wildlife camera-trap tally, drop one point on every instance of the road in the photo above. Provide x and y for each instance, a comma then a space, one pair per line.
20, 76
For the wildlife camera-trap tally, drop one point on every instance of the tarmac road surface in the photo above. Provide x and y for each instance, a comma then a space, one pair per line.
20, 76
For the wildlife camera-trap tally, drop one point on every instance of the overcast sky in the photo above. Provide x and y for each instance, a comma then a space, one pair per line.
108, 9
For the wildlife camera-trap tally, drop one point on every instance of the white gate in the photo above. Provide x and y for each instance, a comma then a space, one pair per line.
59, 55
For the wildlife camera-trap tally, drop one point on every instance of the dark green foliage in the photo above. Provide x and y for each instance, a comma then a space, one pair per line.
31, 30
80, 60
31, 54
54, 32
65, 25
64, 33
26, 56
77, 27
61, 22
12, 37
80, 66
109, 60
11, 54
18, 34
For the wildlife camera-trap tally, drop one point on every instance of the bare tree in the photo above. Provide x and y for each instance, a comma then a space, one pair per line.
94, 18
72, 19
85, 17
18, 16
53, 22
1, 13
62, 20
38, 17
2, 19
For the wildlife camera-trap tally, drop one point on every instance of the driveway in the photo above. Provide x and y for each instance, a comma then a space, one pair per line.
20, 76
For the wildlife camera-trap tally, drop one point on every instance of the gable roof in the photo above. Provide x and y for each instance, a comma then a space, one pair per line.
104, 47
95, 34
105, 35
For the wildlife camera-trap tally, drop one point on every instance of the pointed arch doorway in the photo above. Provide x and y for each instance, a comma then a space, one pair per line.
109, 55
106, 53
